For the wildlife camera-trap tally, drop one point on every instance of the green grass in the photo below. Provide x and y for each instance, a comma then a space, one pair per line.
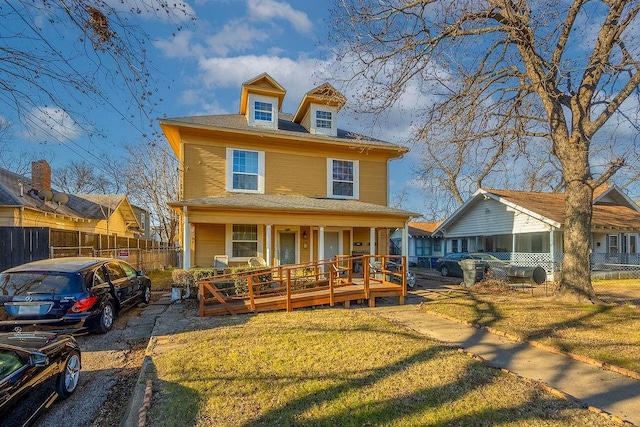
336, 367
603, 332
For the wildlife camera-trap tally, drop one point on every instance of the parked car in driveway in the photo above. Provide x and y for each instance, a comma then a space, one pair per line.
450, 264
36, 368
70, 294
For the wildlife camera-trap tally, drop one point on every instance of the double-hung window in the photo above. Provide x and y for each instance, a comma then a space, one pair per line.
263, 111
245, 171
244, 240
323, 119
342, 182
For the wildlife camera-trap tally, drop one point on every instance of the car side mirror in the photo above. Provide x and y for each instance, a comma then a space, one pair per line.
38, 360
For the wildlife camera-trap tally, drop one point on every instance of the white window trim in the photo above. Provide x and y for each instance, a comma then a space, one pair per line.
229, 243
333, 131
229, 183
356, 179
251, 120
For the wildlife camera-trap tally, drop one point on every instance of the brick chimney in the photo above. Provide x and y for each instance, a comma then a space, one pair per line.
40, 175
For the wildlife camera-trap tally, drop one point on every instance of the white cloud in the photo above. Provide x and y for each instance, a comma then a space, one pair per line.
180, 46
265, 10
48, 124
235, 36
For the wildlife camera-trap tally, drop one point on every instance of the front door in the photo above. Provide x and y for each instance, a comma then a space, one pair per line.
331, 244
287, 247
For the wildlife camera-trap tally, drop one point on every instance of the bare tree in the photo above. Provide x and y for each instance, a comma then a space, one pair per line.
151, 174
507, 77
80, 177
61, 59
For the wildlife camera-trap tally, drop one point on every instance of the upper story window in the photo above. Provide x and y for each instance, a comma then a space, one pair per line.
342, 182
245, 171
143, 221
323, 120
262, 111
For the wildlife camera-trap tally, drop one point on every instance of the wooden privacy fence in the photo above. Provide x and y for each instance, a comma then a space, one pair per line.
19, 245
304, 285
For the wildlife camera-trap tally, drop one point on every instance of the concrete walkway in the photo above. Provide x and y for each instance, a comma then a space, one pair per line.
603, 390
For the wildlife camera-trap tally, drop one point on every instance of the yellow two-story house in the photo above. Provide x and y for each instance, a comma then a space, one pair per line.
285, 188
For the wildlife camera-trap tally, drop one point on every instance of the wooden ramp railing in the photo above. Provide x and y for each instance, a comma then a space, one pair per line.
289, 287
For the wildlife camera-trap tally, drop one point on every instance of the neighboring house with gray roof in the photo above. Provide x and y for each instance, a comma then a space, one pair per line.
527, 228
289, 188
32, 202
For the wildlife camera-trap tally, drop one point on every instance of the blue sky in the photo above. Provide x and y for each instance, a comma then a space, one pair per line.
200, 70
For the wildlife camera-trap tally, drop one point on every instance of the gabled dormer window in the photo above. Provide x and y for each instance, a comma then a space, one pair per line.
323, 120
342, 179
262, 111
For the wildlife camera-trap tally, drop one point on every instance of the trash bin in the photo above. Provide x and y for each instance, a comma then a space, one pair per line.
472, 272
434, 262
536, 275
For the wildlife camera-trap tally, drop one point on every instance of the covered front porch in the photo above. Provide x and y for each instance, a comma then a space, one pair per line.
284, 230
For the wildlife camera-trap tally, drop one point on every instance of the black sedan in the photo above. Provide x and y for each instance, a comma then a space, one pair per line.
36, 368
450, 264
69, 294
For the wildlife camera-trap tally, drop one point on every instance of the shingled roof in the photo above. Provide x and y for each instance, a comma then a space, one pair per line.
16, 191
552, 205
286, 127
291, 203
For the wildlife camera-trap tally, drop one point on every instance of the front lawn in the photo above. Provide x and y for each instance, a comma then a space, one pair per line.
337, 367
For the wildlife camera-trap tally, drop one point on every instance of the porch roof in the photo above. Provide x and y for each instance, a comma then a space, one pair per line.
257, 202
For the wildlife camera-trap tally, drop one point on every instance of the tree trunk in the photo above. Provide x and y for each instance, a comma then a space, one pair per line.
575, 282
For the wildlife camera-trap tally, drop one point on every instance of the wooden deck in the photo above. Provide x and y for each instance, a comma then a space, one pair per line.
327, 282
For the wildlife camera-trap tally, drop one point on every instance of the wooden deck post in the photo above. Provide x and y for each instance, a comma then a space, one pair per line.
252, 302
288, 282
332, 273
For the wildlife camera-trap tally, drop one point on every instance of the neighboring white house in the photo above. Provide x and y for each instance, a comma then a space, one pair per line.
526, 228
422, 246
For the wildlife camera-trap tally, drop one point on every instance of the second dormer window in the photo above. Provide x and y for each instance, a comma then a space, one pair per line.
263, 111
323, 119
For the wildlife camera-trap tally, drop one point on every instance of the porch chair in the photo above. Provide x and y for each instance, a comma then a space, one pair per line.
220, 262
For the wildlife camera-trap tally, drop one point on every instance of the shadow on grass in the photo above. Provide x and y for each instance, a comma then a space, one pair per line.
436, 400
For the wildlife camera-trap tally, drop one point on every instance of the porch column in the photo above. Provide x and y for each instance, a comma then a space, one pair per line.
513, 242
552, 250
186, 239
268, 244
320, 243
372, 241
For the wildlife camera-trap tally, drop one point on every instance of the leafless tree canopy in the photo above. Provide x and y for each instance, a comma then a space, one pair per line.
62, 59
545, 88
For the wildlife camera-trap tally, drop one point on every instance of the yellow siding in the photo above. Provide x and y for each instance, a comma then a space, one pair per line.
373, 182
9, 217
361, 235
204, 171
292, 167
210, 241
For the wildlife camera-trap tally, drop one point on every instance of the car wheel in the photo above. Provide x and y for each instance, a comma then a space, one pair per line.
444, 270
146, 295
105, 320
68, 378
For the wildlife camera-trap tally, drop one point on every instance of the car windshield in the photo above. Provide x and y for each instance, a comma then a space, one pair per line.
9, 363
30, 283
